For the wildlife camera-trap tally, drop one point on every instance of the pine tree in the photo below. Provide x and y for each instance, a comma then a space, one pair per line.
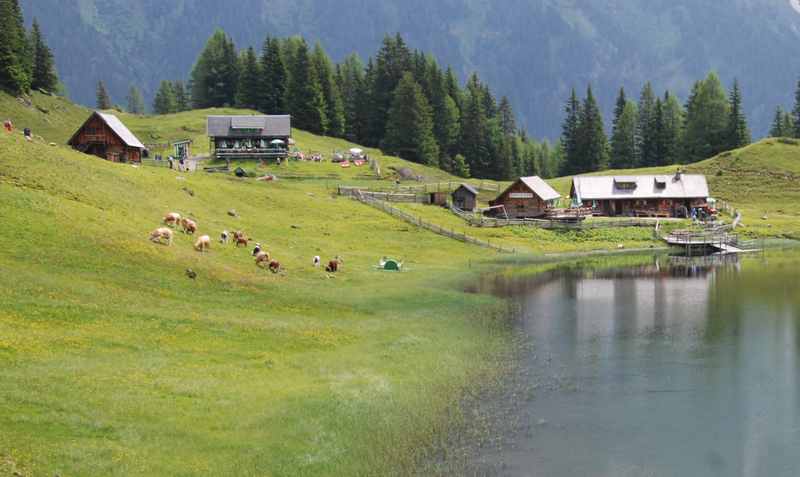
350, 76
181, 96
776, 129
671, 130
645, 128
103, 100
738, 134
409, 129
304, 93
460, 166
623, 137
273, 78
505, 114
475, 137
135, 101
215, 76
796, 112
391, 63
707, 113
14, 62
592, 142
330, 91
788, 124
248, 93
570, 130
44, 71
164, 102
446, 127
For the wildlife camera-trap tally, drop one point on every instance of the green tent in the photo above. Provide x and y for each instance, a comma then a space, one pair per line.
390, 264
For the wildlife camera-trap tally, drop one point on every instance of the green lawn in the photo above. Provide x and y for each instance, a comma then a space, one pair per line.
114, 362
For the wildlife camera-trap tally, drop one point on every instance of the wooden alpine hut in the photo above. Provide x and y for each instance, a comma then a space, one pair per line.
465, 197
249, 137
526, 198
103, 135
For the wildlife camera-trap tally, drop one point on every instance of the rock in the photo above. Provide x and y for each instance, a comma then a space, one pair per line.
188, 191
620, 246
764, 217
295, 226
233, 213
53, 144
191, 273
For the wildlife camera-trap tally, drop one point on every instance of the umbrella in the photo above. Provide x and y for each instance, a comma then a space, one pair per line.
356, 151
277, 141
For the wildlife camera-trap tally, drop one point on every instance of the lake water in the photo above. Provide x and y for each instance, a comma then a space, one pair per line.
666, 368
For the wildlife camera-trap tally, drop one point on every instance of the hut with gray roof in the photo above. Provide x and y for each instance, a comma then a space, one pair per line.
103, 135
641, 195
527, 198
249, 137
465, 197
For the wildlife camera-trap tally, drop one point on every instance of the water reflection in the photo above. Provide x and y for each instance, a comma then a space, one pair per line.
670, 367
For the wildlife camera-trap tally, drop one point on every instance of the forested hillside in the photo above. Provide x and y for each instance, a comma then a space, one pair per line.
532, 51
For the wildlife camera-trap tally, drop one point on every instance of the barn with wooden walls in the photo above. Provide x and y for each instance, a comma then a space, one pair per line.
103, 135
526, 198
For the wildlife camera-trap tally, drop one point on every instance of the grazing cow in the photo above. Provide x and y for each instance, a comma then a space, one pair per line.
172, 219
203, 243
243, 241
161, 233
256, 249
274, 266
189, 226
333, 265
238, 234
317, 261
224, 236
263, 259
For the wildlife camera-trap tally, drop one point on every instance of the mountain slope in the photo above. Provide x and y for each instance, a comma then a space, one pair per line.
530, 50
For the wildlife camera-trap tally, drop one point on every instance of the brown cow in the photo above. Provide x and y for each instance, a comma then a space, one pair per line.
333, 265
172, 219
189, 226
203, 243
263, 259
274, 266
161, 233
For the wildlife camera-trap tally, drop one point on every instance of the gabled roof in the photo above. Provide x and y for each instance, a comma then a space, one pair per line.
674, 186
536, 185
113, 122
249, 126
469, 188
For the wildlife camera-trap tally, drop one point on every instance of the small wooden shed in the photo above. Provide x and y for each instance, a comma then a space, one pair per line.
465, 197
527, 197
104, 135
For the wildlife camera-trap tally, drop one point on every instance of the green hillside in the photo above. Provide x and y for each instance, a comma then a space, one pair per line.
114, 362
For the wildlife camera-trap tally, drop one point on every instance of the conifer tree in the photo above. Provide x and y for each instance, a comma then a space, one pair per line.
671, 132
391, 63
409, 129
796, 112
645, 128
330, 91
15, 67
350, 76
181, 96
215, 76
475, 137
623, 137
738, 134
788, 124
44, 71
273, 78
164, 102
592, 141
460, 166
505, 114
135, 101
570, 130
776, 129
446, 116
304, 93
103, 100
248, 93
707, 113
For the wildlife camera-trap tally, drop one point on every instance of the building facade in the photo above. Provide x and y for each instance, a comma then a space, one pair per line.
249, 137
526, 198
103, 135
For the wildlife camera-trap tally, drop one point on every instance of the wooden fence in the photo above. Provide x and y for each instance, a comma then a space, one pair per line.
480, 221
417, 221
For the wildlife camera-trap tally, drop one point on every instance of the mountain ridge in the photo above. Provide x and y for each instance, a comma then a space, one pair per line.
532, 51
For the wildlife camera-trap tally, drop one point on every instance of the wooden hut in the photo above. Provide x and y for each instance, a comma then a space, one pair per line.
527, 197
465, 197
641, 196
104, 135
249, 137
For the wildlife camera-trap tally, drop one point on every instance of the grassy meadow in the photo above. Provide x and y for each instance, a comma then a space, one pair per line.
115, 362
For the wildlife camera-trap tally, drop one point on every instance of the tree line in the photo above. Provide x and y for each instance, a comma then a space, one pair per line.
26, 62
787, 123
655, 131
401, 100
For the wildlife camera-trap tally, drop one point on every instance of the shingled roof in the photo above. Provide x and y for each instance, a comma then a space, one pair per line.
249, 126
675, 186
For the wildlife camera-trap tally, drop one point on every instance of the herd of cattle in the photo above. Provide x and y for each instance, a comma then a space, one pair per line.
163, 235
